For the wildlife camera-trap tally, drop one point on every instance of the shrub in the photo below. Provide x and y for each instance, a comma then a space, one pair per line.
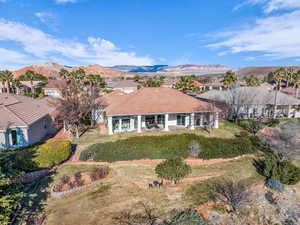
52, 153
273, 122
252, 126
186, 217
101, 172
274, 184
173, 169
282, 170
232, 193
243, 134
167, 147
194, 149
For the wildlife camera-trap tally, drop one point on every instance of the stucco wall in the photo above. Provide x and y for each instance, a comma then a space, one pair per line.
126, 90
41, 128
2, 140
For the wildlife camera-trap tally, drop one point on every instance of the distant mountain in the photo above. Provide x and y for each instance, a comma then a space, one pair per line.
175, 70
51, 69
260, 71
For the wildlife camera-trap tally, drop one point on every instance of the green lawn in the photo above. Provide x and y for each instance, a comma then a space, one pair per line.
97, 205
167, 146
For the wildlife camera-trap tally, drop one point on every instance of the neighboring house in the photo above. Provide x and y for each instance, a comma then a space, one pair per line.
54, 88
254, 102
291, 91
156, 109
126, 86
213, 86
24, 121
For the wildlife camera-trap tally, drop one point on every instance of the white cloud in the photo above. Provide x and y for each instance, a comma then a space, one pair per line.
65, 1
273, 36
40, 45
272, 5
44, 16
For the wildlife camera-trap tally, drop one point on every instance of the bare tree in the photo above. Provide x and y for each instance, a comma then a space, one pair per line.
232, 193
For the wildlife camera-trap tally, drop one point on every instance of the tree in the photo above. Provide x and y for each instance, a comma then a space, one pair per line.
232, 193
31, 76
296, 82
7, 78
10, 192
173, 169
152, 83
229, 79
252, 81
78, 101
186, 84
136, 78
278, 77
289, 75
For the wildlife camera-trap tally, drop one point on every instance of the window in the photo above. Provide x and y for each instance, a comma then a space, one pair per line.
181, 120
14, 137
160, 119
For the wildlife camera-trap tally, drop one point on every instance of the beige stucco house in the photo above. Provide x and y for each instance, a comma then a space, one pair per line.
156, 109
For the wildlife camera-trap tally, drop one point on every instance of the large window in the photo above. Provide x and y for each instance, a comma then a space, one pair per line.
160, 119
181, 120
14, 137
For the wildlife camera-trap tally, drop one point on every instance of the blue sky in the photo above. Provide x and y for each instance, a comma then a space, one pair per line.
237, 33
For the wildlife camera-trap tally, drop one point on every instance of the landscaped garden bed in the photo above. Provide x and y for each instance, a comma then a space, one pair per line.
167, 146
80, 180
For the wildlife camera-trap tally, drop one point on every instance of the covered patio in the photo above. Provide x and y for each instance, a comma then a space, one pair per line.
160, 109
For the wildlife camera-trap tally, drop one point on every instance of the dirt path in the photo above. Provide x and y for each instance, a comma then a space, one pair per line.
152, 161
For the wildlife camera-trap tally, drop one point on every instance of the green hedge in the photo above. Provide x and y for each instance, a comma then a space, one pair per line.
166, 147
43, 156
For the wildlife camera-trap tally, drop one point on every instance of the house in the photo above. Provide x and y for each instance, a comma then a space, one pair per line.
156, 109
255, 102
126, 86
24, 121
54, 88
291, 91
169, 83
213, 86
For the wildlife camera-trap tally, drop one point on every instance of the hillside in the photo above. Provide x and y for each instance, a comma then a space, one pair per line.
51, 69
196, 69
260, 71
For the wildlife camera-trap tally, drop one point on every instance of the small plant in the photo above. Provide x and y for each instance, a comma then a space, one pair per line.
173, 169
194, 149
101, 172
186, 217
274, 184
232, 193
270, 198
65, 180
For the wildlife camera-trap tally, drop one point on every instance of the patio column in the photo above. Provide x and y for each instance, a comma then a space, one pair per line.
216, 122
192, 121
139, 124
110, 126
289, 111
132, 123
166, 122
120, 125
155, 119
201, 120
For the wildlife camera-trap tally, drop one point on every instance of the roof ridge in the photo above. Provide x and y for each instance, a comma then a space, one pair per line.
19, 118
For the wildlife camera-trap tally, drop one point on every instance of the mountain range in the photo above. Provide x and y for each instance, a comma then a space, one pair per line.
51, 69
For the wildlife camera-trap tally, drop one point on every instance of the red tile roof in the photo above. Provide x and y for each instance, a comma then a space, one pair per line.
56, 84
156, 100
17, 110
197, 83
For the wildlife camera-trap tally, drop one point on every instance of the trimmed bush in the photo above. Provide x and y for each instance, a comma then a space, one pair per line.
52, 153
42, 156
282, 170
167, 147
173, 169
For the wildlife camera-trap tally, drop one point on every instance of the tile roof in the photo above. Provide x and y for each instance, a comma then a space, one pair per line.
124, 84
56, 84
251, 95
17, 110
155, 100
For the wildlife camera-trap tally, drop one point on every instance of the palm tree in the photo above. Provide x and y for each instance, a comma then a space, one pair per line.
278, 76
229, 79
7, 78
252, 81
289, 75
296, 82
30, 76
16, 84
64, 74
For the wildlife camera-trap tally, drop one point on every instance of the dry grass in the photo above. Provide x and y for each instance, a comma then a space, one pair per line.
97, 205
93, 136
